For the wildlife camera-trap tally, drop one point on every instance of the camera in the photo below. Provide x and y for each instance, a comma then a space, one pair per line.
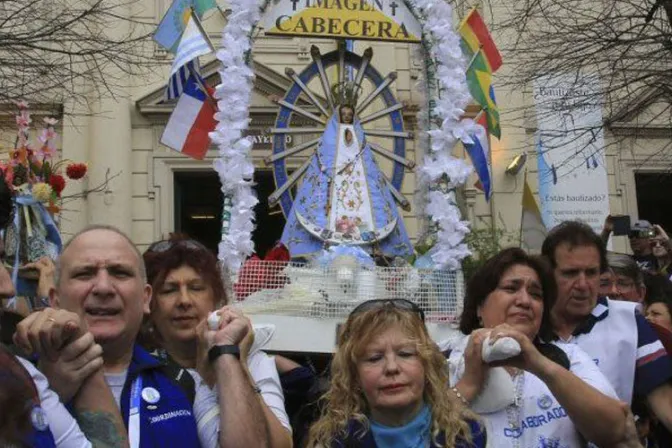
642, 233
642, 229
647, 233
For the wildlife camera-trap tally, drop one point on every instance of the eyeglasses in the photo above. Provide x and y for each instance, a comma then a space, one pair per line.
621, 285
655, 243
400, 304
166, 245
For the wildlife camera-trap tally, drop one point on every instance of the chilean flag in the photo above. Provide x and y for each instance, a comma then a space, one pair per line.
191, 121
479, 153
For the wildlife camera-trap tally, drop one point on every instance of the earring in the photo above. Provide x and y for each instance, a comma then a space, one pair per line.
480, 321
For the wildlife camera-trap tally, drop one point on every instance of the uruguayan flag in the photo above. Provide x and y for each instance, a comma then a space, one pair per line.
192, 45
177, 82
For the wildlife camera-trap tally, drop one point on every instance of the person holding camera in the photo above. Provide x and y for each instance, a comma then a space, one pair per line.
639, 235
660, 248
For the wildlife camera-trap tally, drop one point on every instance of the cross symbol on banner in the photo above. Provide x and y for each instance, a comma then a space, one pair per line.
394, 5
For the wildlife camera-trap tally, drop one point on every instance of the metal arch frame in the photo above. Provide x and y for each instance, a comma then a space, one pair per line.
283, 120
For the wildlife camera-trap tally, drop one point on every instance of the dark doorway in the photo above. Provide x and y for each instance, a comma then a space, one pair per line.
654, 201
198, 206
198, 209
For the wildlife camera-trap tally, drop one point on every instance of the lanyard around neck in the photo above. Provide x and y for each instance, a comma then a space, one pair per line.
134, 414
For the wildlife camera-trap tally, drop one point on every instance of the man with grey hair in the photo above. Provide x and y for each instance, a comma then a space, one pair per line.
101, 277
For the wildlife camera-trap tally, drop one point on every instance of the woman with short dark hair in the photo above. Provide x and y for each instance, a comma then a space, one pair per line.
186, 287
559, 395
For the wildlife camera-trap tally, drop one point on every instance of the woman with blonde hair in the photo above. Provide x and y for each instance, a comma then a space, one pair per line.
389, 386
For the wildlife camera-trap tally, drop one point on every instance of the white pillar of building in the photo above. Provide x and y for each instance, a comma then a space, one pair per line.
75, 147
110, 147
110, 155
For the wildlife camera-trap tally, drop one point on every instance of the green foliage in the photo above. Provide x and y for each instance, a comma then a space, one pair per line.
483, 244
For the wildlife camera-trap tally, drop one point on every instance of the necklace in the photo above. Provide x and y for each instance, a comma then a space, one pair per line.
513, 410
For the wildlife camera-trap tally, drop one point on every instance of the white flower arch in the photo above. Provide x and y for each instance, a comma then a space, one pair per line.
448, 96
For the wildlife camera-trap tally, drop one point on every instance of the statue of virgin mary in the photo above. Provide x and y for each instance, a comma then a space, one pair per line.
344, 197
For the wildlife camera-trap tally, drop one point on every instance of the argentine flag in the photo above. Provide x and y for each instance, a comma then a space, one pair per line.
174, 22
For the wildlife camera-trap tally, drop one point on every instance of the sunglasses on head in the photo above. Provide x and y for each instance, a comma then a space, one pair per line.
400, 304
166, 245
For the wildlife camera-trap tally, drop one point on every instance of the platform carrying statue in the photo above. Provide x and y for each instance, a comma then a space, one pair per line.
344, 197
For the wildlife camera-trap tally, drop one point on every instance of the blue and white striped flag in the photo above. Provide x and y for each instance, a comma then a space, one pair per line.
177, 82
192, 45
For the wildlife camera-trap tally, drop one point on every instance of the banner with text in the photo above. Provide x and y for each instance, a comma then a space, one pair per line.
385, 20
570, 150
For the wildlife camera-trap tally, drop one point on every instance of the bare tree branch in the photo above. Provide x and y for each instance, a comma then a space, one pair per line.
626, 43
75, 50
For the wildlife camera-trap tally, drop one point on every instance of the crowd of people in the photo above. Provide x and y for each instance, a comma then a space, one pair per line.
124, 355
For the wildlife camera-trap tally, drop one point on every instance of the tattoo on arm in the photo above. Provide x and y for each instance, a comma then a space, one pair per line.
100, 429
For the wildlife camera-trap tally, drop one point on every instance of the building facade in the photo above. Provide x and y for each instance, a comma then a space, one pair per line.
149, 190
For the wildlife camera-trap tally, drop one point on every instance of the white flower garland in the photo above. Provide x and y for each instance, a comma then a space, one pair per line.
449, 103
235, 167
234, 164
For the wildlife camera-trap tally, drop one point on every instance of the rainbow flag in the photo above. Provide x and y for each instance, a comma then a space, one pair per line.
475, 37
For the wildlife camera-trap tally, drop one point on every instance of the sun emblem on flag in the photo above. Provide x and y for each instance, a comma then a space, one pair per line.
182, 14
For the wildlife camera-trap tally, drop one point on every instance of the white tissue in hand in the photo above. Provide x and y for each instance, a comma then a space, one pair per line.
503, 348
213, 321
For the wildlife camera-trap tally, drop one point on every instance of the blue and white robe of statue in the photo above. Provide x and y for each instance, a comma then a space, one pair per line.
344, 199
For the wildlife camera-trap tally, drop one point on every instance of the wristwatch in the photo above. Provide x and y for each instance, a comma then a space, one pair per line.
218, 350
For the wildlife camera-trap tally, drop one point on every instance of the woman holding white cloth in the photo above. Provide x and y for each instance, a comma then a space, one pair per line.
545, 396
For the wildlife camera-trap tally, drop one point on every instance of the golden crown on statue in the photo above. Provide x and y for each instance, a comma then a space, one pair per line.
346, 93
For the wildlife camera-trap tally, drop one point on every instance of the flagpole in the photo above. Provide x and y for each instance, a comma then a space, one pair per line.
208, 96
201, 29
473, 58
225, 14
466, 17
479, 114
522, 211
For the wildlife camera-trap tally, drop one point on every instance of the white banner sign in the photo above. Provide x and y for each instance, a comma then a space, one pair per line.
570, 150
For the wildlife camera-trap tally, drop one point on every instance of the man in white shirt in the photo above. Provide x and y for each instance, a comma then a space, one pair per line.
95, 419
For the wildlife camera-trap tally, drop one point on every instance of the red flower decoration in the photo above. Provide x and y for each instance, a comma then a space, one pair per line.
76, 170
57, 183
